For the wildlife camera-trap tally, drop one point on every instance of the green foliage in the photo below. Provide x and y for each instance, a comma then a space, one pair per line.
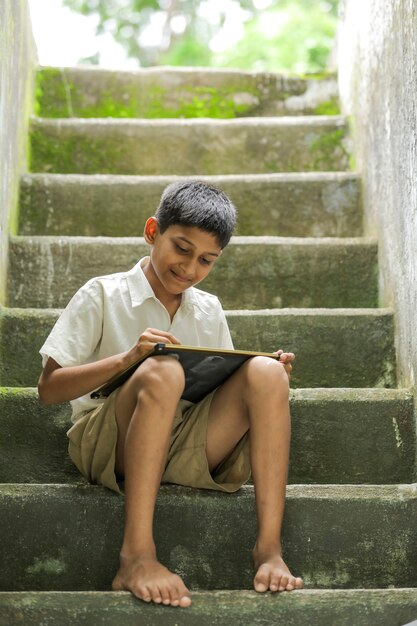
289, 35
188, 51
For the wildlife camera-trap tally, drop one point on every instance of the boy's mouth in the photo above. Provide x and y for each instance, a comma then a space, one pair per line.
180, 279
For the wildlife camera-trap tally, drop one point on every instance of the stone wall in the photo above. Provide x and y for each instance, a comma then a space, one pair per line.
378, 86
18, 60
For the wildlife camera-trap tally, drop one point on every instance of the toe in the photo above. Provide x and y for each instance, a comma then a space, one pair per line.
283, 583
165, 596
144, 594
180, 595
146, 597
174, 597
274, 584
185, 601
156, 595
299, 583
261, 581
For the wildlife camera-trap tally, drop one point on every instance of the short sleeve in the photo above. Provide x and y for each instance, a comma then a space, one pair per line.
78, 330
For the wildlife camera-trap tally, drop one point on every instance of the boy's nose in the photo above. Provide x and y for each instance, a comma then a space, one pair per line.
187, 268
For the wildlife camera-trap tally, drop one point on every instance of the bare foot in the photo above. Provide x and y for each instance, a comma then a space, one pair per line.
150, 581
272, 573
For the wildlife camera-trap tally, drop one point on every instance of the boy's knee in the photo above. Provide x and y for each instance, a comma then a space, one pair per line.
159, 375
264, 372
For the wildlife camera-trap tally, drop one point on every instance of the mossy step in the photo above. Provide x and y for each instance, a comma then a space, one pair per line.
361, 607
287, 272
334, 347
338, 436
288, 205
180, 92
63, 537
189, 147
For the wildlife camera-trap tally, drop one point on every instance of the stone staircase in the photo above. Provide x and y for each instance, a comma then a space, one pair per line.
299, 274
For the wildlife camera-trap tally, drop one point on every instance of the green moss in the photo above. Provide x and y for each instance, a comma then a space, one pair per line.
39, 95
317, 76
109, 107
193, 102
57, 96
284, 95
72, 154
7, 392
330, 107
352, 157
47, 566
324, 148
352, 163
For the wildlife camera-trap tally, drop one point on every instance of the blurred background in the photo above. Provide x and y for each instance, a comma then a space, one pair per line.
277, 35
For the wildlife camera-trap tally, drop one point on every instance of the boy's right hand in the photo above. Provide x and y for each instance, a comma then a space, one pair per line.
149, 338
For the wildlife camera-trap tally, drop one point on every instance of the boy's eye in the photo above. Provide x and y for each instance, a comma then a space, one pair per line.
206, 261
181, 249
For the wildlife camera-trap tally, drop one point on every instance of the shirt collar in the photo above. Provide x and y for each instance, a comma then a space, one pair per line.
141, 290
139, 287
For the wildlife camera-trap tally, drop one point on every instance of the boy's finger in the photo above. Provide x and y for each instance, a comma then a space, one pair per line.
161, 335
152, 335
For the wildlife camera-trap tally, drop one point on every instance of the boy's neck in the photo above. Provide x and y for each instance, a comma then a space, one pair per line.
171, 302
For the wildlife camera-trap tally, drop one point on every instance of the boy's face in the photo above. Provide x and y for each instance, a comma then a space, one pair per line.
181, 257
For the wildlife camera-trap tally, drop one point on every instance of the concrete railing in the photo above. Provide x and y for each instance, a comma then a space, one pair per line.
18, 61
378, 86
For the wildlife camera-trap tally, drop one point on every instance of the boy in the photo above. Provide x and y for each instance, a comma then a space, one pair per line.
143, 432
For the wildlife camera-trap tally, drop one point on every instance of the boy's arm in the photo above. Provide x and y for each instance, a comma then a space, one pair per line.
61, 384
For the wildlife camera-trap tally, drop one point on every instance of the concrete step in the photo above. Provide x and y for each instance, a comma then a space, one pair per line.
334, 347
287, 272
180, 92
338, 436
361, 607
288, 205
334, 536
189, 147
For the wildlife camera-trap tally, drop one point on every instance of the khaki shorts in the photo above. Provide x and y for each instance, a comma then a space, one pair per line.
93, 439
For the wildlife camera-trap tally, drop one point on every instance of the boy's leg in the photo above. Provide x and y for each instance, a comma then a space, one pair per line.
256, 398
145, 410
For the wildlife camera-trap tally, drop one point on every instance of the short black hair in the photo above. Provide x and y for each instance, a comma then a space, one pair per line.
197, 203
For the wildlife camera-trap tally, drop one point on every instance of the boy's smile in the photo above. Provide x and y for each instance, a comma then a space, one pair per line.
181, 257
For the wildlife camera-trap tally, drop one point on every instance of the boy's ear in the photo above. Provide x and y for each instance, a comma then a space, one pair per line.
151, 230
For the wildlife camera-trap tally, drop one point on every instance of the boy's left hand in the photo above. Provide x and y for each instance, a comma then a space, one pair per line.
285, 358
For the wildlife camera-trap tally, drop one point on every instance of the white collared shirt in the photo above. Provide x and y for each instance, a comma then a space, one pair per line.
109, 313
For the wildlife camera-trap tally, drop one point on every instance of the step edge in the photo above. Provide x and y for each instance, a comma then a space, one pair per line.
301, 394
319, 312
401, 492
290, 312
184, 69
242, 593
237, 240
282, 121
73, 178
